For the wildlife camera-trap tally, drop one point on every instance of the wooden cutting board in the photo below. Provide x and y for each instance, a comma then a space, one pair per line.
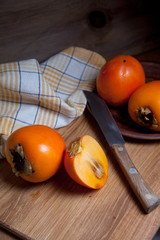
61, 209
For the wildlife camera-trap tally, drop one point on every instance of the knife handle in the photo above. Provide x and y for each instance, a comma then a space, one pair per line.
144, 193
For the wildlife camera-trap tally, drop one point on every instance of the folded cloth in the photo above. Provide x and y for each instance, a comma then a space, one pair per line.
49, 93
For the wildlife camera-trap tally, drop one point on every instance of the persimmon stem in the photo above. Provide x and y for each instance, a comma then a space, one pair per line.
146, 117
21, 165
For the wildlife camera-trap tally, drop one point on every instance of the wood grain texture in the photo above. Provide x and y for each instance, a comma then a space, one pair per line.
144, 193
63, 209
39, 29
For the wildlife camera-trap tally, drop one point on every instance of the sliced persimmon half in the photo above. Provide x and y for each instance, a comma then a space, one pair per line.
86, 162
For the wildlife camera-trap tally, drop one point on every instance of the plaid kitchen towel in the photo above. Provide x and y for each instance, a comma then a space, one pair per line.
49, 93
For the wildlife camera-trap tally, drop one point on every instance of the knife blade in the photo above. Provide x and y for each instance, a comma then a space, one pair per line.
99, 109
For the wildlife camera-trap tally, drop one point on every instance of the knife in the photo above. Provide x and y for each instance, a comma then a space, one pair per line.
99, 109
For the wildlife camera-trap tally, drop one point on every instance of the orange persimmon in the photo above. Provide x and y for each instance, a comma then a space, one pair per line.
35, 152
144, 106
119, 78
86, 162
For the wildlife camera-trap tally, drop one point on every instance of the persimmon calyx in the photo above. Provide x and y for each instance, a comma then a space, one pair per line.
21, 165
146, 117
74, 148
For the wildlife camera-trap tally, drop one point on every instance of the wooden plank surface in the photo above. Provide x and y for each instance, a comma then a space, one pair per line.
65, 210
40, 28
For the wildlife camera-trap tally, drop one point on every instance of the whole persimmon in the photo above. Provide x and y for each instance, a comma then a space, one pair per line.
119, 78
86, 162
144, 106
35, 152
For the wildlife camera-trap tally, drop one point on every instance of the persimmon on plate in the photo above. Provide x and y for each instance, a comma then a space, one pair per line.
119, 78
35, 152
129, 128
144, 106
86, 162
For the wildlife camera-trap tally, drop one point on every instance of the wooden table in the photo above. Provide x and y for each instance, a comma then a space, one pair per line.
61, 209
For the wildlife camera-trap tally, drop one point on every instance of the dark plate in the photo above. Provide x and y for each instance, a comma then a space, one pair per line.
130, 129
127, 127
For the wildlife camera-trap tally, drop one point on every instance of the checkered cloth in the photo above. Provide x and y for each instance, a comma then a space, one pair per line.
49, 93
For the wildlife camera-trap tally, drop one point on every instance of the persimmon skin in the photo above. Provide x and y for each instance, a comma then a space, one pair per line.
119, 78
147, 96
79, 166
43, 148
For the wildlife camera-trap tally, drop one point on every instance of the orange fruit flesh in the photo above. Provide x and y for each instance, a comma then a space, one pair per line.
90, 165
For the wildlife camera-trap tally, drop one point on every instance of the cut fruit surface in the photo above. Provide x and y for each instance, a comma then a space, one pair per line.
86, 162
